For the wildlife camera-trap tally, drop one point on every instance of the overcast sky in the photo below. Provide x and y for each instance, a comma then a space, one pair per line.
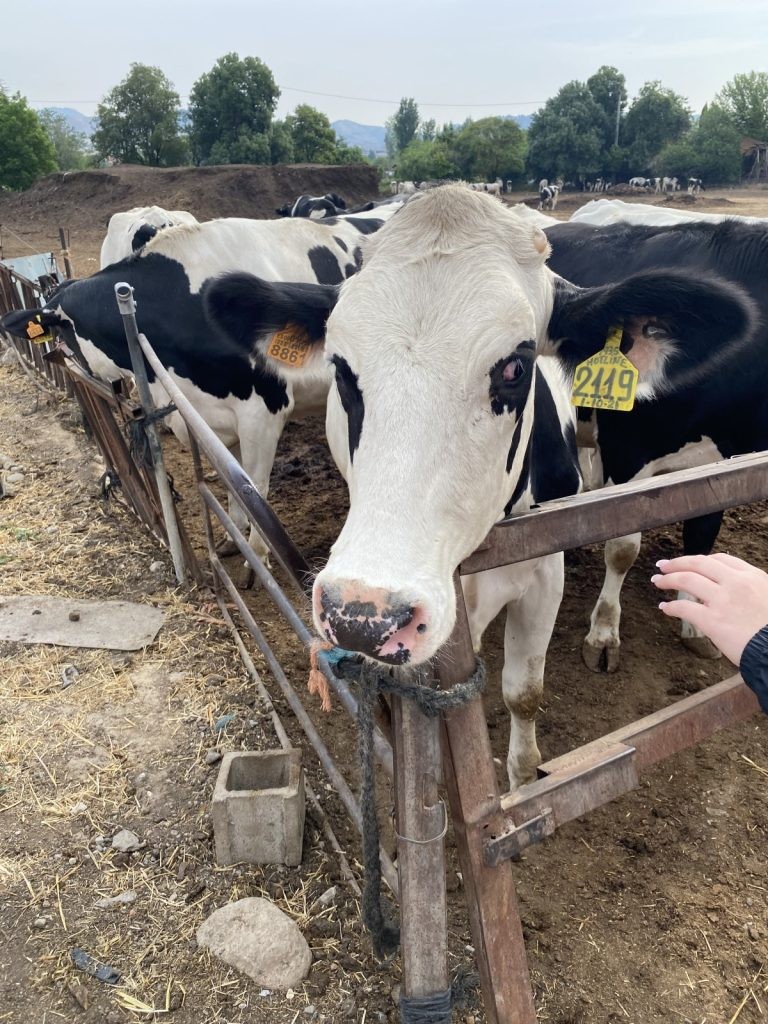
455, 57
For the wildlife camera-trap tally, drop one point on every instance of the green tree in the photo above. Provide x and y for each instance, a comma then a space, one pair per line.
280, 143
428, 130
657, 117
566, 136
609, 90
350, 154
745, 100
314, 141
716, 141
679, 158
138, 121
230, 112
71, 146
493, 147
26, 151
423, 159
402, 126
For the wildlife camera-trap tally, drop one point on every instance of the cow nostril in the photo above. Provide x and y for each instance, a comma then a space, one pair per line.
421, 628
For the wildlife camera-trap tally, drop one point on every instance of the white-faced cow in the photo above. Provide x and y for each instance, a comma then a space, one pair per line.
244, 402
127, 232
449, 408
694, 186
718, 409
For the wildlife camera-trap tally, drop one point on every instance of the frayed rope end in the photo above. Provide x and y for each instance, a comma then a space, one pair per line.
317, 683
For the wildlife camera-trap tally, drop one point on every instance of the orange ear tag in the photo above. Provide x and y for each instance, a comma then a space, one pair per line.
607, 380
37, 333
291, 345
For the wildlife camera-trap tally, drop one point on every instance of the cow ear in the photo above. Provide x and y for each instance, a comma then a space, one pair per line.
29, 324
282, 322
676, 328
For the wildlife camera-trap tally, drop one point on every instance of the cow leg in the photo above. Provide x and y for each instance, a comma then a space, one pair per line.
600, 650
699, 536
259, 435
527, 633
532, 592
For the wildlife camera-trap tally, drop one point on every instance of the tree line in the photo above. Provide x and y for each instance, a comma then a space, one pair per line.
587, 130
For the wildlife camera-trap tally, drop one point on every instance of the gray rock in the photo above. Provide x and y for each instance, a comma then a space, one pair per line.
257, 938
126, 841
213, 756
113, 901
156, 567
39, 923
328, 897
14, 478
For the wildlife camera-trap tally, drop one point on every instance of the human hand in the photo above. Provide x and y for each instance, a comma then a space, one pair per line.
733, 596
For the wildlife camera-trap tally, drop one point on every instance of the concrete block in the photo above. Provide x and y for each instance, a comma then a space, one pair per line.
258, 808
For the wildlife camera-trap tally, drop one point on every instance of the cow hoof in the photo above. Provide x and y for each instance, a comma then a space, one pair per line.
600, 657
702, 647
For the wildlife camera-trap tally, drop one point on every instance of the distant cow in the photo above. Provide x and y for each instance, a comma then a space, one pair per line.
640, 183
127, 232
669, 185
314, 207
694, 186
548, 197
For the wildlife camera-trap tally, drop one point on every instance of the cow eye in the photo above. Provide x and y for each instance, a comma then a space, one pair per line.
654, 331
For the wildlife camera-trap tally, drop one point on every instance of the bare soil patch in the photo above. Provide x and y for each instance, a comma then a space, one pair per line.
654, 909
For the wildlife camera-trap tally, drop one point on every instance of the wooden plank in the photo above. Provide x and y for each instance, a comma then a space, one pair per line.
497, 932
420, 863
600, 771
616, 511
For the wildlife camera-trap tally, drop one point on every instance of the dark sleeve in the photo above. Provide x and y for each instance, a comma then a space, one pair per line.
754, 666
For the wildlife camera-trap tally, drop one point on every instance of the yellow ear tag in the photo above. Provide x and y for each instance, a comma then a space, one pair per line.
607, 380
37, 333
291, 345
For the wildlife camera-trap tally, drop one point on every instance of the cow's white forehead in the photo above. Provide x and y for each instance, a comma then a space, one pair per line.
449, 220
453, 264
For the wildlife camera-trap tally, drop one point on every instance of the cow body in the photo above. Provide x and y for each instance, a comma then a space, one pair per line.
710, 418
548, 197
314, 207
443, 417
127, 232
244, 403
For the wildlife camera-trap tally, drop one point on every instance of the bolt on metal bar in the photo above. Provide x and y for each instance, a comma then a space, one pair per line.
127, 307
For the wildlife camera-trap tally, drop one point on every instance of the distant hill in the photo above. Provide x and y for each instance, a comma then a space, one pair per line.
80, 122
369, 137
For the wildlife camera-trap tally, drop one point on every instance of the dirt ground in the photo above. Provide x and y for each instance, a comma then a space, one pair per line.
653, 909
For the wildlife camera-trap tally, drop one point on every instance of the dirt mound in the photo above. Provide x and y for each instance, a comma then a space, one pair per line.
76, 198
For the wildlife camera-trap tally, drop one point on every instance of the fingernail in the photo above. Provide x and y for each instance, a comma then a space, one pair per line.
661, 562
658, 576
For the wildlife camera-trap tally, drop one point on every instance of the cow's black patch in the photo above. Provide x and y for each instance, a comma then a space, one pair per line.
341, 243
350, 269
351, 400
325, 265
365, 225
511, 379
142, 236
357, 256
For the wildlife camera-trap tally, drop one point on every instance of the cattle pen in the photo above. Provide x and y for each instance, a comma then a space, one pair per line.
489, 827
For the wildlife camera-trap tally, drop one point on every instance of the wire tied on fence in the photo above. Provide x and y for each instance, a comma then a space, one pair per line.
139, 445
383, 928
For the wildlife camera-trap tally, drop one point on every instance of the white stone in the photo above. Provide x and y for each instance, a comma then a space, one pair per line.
257, 938
126, 841
112, 901
156, 567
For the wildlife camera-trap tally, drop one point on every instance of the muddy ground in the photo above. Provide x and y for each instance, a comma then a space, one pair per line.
655, 908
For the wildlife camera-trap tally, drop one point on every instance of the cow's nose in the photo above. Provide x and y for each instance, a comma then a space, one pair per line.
375, 621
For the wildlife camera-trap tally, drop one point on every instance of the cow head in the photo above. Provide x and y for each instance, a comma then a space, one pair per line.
433, 345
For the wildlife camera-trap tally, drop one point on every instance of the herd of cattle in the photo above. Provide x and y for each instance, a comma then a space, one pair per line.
441, 330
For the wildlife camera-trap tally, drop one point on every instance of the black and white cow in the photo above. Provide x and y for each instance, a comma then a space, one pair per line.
706, 417
128, 231
314, 207
694, 186
548, 197
245, 403
451, 350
